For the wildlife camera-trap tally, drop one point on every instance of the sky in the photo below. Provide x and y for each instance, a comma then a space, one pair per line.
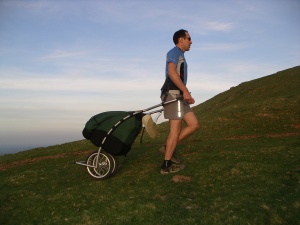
63, 61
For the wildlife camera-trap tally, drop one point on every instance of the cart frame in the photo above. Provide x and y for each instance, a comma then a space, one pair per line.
92, 163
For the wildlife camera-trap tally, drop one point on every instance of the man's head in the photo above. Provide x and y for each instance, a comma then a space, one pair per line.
182, 39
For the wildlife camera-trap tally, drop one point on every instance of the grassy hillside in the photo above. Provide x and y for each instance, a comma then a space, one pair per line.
242, 167
269, 105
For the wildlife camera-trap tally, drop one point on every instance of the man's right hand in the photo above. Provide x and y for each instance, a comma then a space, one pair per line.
188, 98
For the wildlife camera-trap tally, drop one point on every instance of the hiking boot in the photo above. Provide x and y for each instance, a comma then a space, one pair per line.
174, 158
172, 169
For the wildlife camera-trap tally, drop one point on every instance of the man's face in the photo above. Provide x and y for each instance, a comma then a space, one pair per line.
187, 41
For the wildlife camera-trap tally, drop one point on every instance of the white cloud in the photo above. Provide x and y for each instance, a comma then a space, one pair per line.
220, 26
58, 54
100, 84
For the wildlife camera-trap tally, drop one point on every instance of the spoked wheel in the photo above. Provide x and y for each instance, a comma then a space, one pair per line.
105, 167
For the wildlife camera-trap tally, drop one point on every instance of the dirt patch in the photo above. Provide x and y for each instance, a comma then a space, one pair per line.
181, 178
297, 126
283, 135
38, 159
242, 137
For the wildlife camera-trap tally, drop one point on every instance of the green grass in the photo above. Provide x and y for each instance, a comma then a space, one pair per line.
244, 169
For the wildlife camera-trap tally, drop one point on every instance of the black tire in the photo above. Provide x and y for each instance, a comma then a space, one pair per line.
114, 163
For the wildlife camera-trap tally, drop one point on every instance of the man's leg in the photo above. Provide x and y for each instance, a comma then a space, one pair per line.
168, 166
177, 134
192, 125
172, 140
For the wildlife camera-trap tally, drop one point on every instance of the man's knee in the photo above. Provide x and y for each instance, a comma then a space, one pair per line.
192, 122
195, 126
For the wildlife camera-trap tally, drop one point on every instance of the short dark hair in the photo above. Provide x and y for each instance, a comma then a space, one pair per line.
178, 34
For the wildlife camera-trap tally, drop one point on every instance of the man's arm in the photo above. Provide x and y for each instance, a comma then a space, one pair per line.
174, 76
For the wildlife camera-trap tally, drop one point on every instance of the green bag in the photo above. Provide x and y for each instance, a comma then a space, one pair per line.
123, 126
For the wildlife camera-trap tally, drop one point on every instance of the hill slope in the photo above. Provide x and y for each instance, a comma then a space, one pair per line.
269, 105
242, 168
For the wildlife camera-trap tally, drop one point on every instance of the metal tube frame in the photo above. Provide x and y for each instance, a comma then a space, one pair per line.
122, 120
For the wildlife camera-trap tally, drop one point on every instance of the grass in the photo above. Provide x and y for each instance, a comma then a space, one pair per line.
244, 169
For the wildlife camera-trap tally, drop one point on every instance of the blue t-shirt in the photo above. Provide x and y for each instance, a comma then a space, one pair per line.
176, 56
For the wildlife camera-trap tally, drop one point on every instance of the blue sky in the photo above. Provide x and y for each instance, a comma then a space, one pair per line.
63, 61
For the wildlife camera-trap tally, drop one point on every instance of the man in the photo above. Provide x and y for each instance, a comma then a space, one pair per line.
174, 87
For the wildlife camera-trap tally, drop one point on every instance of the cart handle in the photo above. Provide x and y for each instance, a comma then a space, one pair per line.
162, 104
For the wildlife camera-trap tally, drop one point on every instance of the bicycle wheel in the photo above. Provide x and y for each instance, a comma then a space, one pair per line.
115, 164
104, 168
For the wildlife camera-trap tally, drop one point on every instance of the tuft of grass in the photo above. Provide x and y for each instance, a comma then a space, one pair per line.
243, 166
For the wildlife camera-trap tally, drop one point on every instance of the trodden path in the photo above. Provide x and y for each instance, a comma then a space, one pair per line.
7, 166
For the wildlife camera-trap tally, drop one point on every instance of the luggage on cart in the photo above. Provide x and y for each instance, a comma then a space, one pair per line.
114, 133
120, 140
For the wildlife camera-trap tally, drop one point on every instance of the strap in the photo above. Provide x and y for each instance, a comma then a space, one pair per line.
141, 139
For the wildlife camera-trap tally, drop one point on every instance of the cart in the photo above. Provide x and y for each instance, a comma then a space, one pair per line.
113, 132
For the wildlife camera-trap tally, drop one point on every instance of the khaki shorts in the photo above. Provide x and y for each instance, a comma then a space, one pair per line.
175, 110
